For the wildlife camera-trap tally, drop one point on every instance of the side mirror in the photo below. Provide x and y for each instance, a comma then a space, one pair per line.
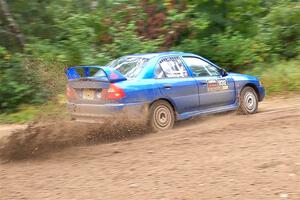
223, 72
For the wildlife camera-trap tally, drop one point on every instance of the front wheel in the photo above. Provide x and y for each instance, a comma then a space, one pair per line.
162, 116
248, 101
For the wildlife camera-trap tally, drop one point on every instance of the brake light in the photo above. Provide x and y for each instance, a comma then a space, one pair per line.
113, 92
70, 93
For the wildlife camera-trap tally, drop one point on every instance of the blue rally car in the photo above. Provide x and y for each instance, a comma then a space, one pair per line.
163, 87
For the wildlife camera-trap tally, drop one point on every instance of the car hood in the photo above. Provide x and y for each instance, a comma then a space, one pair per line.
237, 76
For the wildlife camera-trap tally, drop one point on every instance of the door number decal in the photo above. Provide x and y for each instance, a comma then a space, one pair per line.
217, 85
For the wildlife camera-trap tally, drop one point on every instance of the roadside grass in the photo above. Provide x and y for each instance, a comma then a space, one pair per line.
278, 79
24, 114
54, 109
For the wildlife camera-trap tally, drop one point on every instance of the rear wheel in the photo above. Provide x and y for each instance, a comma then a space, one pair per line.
248, 101
162, 116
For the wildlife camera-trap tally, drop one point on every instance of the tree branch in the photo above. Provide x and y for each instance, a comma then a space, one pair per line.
15, 29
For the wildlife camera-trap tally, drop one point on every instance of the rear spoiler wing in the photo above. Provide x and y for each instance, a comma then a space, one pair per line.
112, 75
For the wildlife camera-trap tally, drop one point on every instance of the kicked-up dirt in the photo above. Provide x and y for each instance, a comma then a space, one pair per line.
225, 156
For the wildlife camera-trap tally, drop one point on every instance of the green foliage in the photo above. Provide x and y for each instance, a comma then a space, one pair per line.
279, 77
232, 33
236, 34
127, 42
231, 51
17, 86
239, 33
280, 29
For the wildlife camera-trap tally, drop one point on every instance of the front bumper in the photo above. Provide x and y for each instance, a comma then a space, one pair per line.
99, 112
261, 91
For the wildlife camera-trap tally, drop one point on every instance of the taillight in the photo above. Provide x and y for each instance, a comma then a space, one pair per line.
70, 93
113, 92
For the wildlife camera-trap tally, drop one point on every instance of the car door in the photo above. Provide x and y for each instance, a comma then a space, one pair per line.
214, 89
176, 84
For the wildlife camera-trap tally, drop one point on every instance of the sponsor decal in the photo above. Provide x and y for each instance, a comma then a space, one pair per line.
217, 85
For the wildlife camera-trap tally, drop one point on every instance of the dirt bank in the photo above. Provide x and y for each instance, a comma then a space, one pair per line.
224, 156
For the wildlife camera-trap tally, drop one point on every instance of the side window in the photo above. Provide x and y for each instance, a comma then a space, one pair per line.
170, 67
212, 70
200, 67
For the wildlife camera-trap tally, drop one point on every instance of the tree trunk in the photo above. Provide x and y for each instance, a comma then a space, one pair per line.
14, 28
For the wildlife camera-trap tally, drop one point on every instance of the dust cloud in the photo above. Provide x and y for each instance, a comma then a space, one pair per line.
38, 140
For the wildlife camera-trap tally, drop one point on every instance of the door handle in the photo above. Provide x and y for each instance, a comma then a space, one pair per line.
203, 83
167, 86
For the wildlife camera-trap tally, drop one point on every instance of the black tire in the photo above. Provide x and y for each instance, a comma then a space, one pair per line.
248, 101
161, 116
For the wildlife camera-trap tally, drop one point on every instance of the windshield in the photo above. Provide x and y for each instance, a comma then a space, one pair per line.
130, 67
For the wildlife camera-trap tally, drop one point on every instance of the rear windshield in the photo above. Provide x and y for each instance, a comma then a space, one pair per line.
130, 67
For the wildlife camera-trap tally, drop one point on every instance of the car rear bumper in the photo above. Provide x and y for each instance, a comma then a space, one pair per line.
100, 112
261, 91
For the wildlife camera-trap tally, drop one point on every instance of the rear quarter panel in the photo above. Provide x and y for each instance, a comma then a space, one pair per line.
143, 91
139, 91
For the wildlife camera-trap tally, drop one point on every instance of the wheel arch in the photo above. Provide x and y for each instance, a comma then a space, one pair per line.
168, 101
252, 85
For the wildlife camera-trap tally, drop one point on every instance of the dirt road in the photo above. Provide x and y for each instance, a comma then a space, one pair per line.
224, 156
8, 129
